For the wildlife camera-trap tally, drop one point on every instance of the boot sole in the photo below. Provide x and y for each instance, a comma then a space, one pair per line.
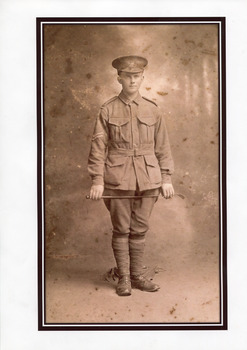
145, 290
124, 294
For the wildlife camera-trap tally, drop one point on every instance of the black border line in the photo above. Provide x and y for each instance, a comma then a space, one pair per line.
224, 165
223, 324
39, 173
130, 19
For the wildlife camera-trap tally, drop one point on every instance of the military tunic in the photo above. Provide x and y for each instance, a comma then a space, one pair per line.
130, 147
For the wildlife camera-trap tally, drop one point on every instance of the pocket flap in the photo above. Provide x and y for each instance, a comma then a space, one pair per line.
148, 120
112, 161
118, 121
151, 160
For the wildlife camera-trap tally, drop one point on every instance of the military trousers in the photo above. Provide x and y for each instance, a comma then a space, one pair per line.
130, 216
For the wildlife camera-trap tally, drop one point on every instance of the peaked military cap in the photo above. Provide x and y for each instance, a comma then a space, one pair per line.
130, 64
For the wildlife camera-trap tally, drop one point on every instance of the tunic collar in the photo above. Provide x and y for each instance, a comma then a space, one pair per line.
127, 100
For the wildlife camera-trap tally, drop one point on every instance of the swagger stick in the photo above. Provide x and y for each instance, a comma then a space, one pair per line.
136, 197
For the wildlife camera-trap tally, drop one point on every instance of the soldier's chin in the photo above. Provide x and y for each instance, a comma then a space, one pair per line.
133, 88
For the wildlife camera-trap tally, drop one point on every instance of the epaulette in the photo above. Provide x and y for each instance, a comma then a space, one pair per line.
109, 101
145, 98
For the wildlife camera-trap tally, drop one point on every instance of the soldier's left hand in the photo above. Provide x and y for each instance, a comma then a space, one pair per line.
167, 190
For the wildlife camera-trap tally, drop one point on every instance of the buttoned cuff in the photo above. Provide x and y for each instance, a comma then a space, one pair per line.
166, 179
98, 180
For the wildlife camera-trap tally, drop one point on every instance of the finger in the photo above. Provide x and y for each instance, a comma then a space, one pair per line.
98, 195
94, 195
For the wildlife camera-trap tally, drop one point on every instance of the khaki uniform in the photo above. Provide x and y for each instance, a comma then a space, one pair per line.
130, 148
130, 155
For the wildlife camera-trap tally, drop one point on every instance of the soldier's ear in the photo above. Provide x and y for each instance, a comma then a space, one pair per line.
119, 79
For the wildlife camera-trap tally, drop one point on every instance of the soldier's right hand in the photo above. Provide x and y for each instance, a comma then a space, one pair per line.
96, 192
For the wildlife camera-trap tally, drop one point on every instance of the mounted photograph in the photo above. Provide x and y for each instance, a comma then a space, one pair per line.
131, 126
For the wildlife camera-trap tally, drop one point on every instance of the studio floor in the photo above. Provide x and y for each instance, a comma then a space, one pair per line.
184, 250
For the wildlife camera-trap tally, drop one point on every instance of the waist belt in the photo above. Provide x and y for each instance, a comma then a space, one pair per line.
130, 152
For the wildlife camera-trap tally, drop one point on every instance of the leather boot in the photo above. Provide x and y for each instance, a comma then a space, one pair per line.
124, 286
142, 283
138, 281
120, 247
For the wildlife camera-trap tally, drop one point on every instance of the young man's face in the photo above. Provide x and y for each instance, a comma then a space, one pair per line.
130, 82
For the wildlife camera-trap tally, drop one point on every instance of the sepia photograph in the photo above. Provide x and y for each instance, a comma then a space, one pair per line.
123, 175
131, 173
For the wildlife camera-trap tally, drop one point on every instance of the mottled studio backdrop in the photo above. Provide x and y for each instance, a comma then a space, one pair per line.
182, 78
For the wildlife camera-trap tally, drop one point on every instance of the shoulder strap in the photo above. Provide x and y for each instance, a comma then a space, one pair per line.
145, 98
109, 101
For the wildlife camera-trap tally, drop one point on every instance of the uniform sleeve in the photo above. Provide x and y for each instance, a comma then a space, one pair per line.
163, 150
97, 155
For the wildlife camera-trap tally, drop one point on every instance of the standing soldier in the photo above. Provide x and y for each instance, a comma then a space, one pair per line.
130, 156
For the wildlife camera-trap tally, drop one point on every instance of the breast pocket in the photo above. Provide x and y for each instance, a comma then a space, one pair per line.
153, 169
119, 129
115, 169
146, 128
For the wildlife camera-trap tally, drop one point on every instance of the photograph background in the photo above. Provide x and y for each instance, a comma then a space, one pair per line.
182, 78
18, 198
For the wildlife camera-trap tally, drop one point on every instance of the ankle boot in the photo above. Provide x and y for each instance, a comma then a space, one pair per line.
138, 281
142, 283
120, 247
124, 286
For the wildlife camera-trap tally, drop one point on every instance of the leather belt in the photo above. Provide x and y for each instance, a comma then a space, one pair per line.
135, 152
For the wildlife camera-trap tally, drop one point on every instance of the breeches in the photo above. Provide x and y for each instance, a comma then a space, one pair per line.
130, 216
